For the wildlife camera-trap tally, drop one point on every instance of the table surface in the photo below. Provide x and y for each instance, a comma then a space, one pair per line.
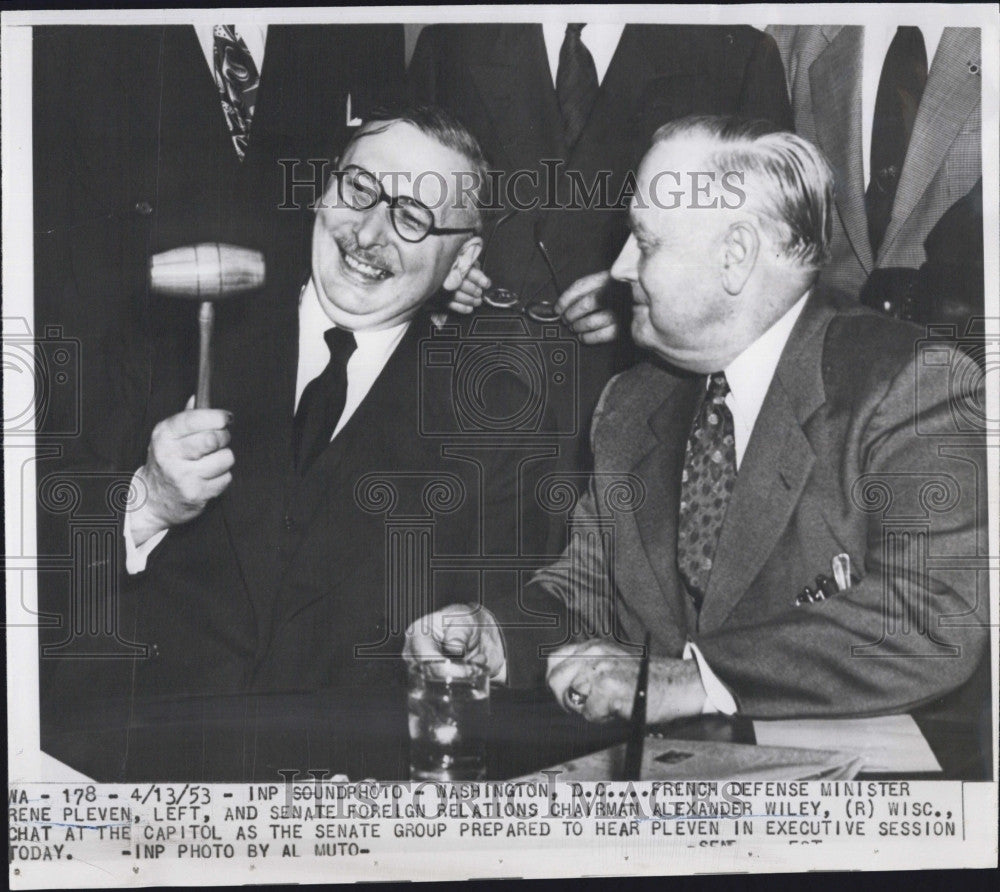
363, 733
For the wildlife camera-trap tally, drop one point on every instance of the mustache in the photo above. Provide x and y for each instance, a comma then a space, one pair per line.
349, 245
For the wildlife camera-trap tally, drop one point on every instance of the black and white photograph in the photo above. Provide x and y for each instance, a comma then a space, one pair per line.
565, 433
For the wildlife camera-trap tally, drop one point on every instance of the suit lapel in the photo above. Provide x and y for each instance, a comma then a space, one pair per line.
835, 85
630, 69
267, 106
660, 471
515, 84
768, 487
380, 419
775, 467
951, 94
196, 90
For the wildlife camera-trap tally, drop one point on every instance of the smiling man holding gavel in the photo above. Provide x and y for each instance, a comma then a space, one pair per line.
373, 267
281, 541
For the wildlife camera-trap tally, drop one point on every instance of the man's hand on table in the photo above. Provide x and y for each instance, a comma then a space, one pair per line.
459, 631
579, 305
188, 464
597, 679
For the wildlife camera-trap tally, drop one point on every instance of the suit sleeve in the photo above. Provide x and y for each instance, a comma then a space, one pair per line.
764, 93
569, 598
915, 625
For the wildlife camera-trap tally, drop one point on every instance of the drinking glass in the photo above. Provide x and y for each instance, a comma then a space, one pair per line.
449, 710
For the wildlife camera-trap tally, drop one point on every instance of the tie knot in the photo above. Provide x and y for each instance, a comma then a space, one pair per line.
341, 343
574, 29
718, 386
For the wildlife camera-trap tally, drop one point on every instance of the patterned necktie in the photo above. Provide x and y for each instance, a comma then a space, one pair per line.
706, 485
237, 78
322, 402
576, 83
904, 76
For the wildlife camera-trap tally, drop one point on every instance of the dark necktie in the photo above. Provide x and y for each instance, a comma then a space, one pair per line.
237, 78
706, 484
322, 402
904, 76
576, 83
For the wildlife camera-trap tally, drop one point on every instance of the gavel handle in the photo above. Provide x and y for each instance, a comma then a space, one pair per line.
206, 316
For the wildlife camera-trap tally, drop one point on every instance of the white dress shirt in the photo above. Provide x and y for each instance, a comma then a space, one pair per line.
876, 44
749, 377
254, 36
600, 39
365, 365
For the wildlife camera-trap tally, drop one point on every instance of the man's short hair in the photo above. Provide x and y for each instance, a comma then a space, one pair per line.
443, 127
795, 205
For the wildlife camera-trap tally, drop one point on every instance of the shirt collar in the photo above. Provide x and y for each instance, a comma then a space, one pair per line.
313, 323
749, 375
600, 38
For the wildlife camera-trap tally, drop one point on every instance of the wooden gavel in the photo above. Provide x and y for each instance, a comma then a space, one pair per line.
207, 272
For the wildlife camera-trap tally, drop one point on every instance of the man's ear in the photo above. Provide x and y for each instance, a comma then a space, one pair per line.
466, 256
740, 249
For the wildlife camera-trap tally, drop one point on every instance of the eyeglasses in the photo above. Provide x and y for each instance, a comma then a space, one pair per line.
413, 221
539, 309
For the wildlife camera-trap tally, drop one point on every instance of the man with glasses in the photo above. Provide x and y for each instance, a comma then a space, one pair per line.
284, 540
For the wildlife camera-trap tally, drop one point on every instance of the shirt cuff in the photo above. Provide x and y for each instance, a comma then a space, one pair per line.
137, 555
717, 696
501, 678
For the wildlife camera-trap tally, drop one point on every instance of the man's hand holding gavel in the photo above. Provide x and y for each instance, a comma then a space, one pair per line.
188, 463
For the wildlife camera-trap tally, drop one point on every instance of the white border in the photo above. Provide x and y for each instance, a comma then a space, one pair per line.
27, 763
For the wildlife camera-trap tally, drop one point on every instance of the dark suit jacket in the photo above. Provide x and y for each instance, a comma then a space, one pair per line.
837, 463
496, 79
132, 156
823, 66
293, 583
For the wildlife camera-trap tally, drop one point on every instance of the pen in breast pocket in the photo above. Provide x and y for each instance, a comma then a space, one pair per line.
842, 571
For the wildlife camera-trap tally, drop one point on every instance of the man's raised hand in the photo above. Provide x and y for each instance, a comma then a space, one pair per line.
188, 464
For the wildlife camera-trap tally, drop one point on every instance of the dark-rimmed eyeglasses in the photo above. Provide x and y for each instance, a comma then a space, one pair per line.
360, 190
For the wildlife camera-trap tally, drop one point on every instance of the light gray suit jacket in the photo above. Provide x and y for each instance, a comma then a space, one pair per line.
823, 71
838, 462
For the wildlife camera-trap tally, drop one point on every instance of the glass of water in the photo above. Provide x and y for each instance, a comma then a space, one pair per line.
449, 711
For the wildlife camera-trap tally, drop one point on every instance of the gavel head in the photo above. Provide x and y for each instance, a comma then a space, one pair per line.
206, 272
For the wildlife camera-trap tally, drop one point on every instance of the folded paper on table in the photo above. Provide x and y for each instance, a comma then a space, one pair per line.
668, 759
891, 743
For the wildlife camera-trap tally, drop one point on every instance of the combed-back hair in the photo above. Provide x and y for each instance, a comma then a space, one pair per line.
443, 127
788, 182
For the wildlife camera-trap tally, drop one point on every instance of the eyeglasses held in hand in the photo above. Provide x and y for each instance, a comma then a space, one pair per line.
503, 298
